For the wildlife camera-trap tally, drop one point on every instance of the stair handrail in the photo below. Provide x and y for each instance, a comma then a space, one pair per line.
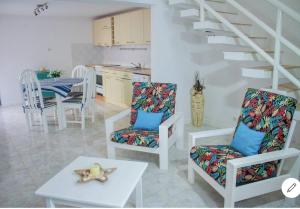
287, 10
264, 26
273, 61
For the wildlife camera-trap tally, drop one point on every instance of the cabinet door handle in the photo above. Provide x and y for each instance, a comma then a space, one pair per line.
130, 42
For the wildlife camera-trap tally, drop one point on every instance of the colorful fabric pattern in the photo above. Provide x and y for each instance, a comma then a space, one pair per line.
153, 97
213, 160
270, 113
262, 111
150, 97
136, 137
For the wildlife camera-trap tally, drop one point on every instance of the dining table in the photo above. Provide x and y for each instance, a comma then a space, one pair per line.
61, 87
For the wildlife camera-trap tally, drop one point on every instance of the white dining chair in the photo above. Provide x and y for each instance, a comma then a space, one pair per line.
78, 72
32, 99
81, 103
93, 95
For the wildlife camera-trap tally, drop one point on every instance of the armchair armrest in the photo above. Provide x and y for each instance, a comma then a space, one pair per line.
170, 121
118, 116
263, 158
109, 122
210, 133
176, 119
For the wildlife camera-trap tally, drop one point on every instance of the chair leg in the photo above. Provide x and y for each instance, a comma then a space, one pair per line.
28, 120
180, 132
83, 119
230, 188
45, 123
93, 110
294, 172
191, 172
163, 148
228, 203
111, 152
163, 160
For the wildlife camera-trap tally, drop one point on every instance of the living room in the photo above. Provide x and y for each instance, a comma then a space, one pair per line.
201, 74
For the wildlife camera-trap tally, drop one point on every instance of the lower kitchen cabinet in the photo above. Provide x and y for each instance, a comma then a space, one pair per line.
117, 88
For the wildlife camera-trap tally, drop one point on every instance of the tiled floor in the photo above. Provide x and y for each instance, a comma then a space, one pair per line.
29, 159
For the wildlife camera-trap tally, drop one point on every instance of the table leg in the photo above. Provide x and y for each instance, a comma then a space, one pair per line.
60, 112
139, 194
50, 203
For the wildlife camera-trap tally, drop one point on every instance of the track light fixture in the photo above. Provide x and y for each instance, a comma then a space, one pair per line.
40, 8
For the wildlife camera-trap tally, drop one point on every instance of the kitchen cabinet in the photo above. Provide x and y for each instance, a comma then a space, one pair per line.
132, 28
117, 87
147, 26
118, 35
103, 32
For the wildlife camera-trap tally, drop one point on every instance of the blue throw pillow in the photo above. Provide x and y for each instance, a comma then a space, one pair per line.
148, 120
246, 140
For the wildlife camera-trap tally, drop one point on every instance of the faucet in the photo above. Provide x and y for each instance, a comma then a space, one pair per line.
137, 66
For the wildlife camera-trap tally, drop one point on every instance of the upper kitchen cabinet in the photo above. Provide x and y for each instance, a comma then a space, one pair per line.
132, 28
117, 31
103, 32
128, 28
147, 26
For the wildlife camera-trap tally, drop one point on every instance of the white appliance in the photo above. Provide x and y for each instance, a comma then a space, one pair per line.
140, 78
99, 79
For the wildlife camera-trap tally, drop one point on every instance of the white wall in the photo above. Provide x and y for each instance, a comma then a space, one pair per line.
32, 42
177, 52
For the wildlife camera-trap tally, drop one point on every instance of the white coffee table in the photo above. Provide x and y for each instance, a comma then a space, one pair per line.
64, 189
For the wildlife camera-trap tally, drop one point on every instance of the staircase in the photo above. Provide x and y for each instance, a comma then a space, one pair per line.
227, 23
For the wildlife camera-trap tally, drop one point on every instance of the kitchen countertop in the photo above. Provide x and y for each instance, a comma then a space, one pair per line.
142, 71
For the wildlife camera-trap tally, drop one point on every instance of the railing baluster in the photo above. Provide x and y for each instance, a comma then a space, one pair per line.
202, 11
277, 53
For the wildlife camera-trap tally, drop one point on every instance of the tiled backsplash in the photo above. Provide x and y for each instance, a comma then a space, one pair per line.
123, 55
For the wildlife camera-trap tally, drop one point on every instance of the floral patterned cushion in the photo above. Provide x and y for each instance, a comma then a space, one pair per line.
213, 160
153, 97
136, 137
150, 97
262, 111
270, 113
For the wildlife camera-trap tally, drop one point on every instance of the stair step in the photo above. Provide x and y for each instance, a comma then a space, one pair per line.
263, 71
288, 87
191, 4
297, 112
211, 25
195, 14
231, 40
216, 1
246, 55
185, 4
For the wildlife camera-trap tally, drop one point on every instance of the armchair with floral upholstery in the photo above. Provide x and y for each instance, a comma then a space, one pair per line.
236, 176
149, 97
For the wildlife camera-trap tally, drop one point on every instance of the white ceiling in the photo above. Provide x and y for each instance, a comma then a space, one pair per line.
69, 8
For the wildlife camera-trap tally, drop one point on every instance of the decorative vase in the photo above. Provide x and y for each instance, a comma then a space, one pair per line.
197, 108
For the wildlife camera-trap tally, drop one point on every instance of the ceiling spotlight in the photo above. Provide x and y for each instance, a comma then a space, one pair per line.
40, 8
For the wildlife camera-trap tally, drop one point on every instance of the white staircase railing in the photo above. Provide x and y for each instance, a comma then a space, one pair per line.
277, 35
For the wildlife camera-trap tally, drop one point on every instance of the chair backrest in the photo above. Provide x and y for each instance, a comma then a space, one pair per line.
153, 97
271, 113
79, 71
88, 86
31, 90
